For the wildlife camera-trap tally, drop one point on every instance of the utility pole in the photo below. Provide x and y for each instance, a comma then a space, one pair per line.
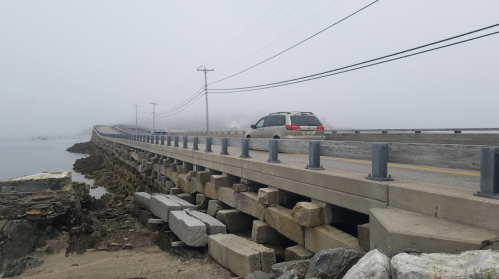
154, 113
135, 117
206, 94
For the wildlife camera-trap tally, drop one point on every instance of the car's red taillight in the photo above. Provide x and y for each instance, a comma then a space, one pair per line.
320, 128
292, 127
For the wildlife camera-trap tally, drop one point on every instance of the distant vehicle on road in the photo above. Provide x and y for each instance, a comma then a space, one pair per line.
288, 125
157, 132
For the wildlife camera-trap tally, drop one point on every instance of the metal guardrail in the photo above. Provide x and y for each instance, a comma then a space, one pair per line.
489, 173
417, 131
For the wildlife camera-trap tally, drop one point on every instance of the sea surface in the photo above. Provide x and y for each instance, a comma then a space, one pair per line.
20, 157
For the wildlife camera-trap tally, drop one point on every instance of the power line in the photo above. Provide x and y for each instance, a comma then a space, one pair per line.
303, 23
299, 80
184, 107
185, 101
301, 42
211, 59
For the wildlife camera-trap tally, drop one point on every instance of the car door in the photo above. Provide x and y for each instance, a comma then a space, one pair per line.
269, 127
258, 130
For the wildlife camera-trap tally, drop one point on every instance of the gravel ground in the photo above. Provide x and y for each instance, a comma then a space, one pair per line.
140, 263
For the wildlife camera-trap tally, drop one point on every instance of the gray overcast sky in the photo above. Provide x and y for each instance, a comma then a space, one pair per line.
68, 65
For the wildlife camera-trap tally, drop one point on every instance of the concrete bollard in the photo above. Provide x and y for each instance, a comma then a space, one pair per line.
245, 148
184, 142
489, 173
314, 155
379, 163
168, 140
195, 142
156, 139
162, 140
175, 141
225, 146
273, 148
209, 140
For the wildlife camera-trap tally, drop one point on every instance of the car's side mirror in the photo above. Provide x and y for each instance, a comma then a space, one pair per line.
253, 127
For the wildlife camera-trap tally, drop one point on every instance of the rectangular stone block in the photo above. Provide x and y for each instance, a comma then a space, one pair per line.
297, 253
247, 202
363, 237
264, 234
162, 170
214, 206
219, 180
235, 220
210, 191
213, 225
169, 185
161, 206
203, 176
199, 187
308, 214
267, 255
233, 255
240, 187
155, 167
202, 201
227, 195
182, 202
183, 183
142, 199
187, 197
193, 185
189, 229
328, 237
280, 219
175, 191
268, 196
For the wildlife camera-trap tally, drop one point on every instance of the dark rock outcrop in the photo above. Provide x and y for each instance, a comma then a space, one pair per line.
332, 263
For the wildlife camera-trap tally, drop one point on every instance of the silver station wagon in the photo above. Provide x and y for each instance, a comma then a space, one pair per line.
288, 125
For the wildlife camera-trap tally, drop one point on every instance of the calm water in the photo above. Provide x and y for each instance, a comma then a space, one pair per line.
19, 157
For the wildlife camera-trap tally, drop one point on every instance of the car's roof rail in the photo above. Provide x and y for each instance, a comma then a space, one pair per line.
290, 112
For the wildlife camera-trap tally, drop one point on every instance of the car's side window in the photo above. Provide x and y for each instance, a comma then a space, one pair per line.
280, 120
260, 123
270, 121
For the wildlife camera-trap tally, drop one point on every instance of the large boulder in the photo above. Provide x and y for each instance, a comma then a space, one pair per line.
291, 274
374, 265
332, 263
470, 264
280, 269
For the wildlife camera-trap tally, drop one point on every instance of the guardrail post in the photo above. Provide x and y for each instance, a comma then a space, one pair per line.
156, 139
168, 140
162, 140
175, 141
208, 144
195, 141
184, 142
489, 173
379, 163
148, 139
245, 148
225, 146
314, 155
273, 148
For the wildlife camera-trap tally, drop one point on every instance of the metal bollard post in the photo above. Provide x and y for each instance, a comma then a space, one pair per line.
195, 143
380, 163
156, 139
149, 140
225, 145
184, 142
175, 141
273, 148
209, 140
489, 173
162, 140
245, 148
314, 155
168, 140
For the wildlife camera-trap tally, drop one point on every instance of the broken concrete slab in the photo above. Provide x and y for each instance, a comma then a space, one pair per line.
280, 219
161, 206
142, 199
189, 229
247, 202
213, 225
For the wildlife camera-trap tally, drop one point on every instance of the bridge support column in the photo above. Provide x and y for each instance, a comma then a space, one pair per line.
175, 141
379, 163
225, 146
195, 142
208, 144
314, 155
273, 148
245, 148
168, 140
184, 142
162, 140
489, 173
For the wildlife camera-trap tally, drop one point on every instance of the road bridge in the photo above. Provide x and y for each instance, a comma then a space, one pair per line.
404, 213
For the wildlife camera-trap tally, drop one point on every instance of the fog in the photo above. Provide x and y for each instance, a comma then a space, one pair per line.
68, 65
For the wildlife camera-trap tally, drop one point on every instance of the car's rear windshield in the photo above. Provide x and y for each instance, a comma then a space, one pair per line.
305, 120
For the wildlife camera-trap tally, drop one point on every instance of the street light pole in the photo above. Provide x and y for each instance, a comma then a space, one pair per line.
206, 94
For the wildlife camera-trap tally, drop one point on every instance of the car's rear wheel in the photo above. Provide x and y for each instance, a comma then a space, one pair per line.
277, 137
248, 137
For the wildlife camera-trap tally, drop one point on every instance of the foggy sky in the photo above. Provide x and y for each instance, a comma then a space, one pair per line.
68, 65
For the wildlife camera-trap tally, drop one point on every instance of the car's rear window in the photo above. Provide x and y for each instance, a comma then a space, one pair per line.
305, 120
